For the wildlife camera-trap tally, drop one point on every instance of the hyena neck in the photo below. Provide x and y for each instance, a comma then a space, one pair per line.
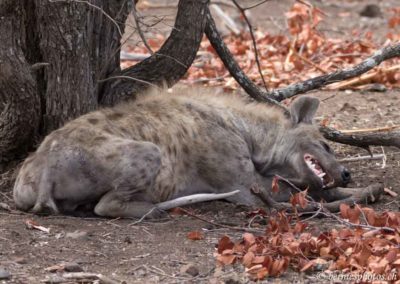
264, 132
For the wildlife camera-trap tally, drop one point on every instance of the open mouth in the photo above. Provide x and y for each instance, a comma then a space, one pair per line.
316, 168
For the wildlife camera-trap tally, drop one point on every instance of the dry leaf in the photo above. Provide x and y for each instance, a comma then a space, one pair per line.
224, 244
195, 235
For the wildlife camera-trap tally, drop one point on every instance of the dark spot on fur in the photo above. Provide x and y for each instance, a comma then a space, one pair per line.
100, 138
115, 115
185, 149
107, 129
156, 138
149, 158
124, 130
185, 131
171, 150
93, 121
111, 156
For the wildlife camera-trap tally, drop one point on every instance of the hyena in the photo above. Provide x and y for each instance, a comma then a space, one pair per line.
121, 161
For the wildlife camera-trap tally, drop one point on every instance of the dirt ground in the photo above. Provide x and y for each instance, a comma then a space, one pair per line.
155, 252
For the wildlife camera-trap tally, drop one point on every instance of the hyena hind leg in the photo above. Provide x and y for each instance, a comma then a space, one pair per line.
131, 195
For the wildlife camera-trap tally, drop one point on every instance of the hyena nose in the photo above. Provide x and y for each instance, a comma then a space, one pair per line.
346, 176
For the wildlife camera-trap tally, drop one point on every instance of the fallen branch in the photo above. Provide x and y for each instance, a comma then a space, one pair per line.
363, 139
81, 277
363, 78
195, 198
362, 158
366, 130
223, 52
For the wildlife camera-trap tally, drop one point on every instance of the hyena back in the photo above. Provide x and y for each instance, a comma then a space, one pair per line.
121, 161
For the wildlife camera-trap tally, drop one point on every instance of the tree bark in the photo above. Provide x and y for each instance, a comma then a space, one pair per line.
19, 101
81, 46
52, 54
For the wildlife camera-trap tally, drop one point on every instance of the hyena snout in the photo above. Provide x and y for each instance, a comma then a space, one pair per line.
346, 176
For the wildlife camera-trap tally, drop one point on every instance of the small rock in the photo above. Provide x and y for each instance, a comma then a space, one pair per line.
127, 240
72, 267
4, 274
371, 11
5, 206
190, 269
54, 279
20, 260
77, 235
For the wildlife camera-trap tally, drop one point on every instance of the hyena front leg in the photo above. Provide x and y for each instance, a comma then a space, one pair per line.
135, 171
336, 196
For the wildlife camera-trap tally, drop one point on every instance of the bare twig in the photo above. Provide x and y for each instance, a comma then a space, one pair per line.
242, 229
141, 34
242, 11
144, 216
349, 224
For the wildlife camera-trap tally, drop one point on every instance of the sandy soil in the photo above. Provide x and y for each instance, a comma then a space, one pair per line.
154, 252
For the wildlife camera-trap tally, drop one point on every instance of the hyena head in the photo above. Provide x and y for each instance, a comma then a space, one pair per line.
305, 159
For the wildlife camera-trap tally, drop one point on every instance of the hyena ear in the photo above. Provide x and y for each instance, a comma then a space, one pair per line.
303, 110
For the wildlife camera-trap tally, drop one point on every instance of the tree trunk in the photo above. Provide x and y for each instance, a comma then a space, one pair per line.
57, 60
19, 100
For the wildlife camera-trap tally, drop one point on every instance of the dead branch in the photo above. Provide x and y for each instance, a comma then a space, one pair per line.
366, 130
363, 139
363, 78
377, 58
194, 198
361, 158
278, 95
89, 276
233, 67
169, 63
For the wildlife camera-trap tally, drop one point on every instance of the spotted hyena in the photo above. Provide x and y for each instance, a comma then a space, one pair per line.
121, 161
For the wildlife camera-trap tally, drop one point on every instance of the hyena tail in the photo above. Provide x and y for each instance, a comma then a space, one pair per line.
44, 201
34, 187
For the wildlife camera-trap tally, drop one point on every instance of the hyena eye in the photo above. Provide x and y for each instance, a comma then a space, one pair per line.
327, 147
